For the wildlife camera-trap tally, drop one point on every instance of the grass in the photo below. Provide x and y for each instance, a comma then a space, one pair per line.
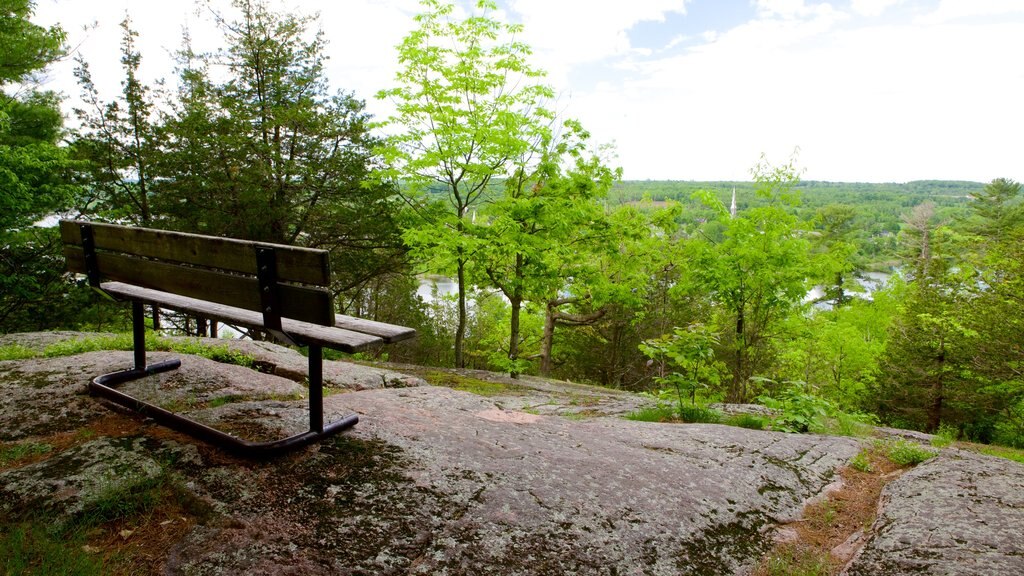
793, 561
218, 353
652, 414
687, 414
945, 436
748, 421
582, 414
35, 549
11, 454
1015, 454
81, 545
469, 384
224, 400
699, 415
844, 424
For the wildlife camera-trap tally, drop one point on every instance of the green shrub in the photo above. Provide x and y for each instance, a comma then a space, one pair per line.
944, 436
861, 462
16, 352
798, 410
801, 411
904, 452
1009, 433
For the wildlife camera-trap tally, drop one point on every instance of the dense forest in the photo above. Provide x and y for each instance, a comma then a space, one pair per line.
560, 268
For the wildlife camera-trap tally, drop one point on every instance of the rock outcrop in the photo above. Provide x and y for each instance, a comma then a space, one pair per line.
438, 481
958, 514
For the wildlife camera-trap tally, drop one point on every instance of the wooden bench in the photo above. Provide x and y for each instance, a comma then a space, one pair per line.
277, 288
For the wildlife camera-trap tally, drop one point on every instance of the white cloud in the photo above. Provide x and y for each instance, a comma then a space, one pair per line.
791, 8
888, 102
950, 10
877, 99
584, 30
872, 7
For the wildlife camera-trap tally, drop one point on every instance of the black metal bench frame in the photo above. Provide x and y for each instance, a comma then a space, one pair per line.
335, 331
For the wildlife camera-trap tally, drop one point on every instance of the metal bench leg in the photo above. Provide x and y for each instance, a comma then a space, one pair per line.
316, 388
103, 386
141, 369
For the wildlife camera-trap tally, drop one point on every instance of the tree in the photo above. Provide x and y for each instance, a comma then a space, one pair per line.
755, 275
265, 152
468, 107
544, 218
926, 378
36, 175
33, 169
836, 252
119, 140
994, 242
610, 288
836, 352
28, 47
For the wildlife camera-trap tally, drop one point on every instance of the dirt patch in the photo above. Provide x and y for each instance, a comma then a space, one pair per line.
141, 545
835, 527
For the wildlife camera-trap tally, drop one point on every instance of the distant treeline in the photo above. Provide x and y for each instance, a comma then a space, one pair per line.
815, 192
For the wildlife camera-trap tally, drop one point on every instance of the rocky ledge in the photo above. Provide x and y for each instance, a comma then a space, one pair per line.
440, 481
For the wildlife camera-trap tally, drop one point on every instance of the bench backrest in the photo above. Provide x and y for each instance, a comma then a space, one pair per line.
221, 270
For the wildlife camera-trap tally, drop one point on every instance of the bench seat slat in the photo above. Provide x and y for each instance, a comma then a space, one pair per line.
336, 338
294, 263
308, 304
388, 332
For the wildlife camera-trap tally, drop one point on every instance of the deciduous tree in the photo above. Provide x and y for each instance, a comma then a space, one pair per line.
756, 275
469, 106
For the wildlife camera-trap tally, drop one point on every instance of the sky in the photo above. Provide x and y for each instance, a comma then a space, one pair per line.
859, 90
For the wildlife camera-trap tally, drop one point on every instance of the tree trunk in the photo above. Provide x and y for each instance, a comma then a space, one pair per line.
935, 410
460, 330
737, 393
552, 318
546, 340
513, 340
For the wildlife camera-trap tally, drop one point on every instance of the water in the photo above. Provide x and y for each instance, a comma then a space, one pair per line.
870, 282
445, 286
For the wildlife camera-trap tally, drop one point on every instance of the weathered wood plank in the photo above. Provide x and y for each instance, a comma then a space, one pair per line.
294, 264
304, 303
336, 338
388, 332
